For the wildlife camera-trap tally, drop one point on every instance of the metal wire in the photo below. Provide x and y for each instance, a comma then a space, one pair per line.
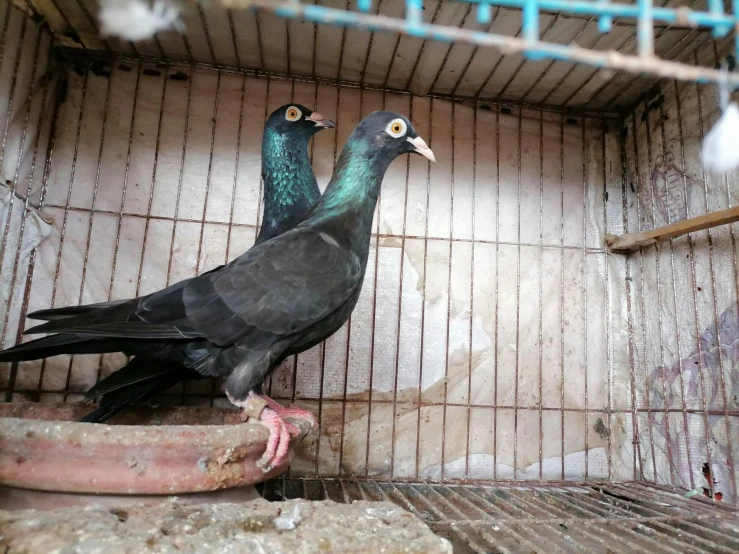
524, 142
485, 518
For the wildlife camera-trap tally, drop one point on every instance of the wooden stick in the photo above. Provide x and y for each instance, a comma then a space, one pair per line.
635, 241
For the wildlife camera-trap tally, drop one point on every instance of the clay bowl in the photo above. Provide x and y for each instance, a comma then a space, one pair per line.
163, 451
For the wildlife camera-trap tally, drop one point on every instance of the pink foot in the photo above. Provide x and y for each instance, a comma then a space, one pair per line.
273, 417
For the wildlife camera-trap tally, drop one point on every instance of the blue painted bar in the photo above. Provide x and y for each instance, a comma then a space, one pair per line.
414, 11
484, 13
645, 28
530, 27
643, 11
623, 11
605, 22
364, 5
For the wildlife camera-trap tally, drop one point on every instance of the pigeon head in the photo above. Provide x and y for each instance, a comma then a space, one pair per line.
388, 135
297, 121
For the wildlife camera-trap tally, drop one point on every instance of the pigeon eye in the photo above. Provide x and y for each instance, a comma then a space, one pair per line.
293, 114
396, 128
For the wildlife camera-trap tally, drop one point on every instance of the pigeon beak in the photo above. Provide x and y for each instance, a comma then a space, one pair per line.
321, 121
420, 146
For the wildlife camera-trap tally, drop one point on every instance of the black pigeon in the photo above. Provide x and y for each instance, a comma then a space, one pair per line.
280, 298
290, 191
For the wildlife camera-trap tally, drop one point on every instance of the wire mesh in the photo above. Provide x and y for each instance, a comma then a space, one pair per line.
495, 338
577, 518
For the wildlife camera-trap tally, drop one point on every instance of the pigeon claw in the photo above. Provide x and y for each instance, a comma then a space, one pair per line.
273, 416
278, 442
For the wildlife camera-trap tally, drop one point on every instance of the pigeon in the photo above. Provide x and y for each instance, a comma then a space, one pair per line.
290, 190
281, 297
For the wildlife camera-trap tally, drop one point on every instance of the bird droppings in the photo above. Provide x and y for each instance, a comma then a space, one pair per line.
288, 523
360, 527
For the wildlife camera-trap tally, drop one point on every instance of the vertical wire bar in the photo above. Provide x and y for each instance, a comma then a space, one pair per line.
157, 144
259, 40
493, 70
630, 307
369, 48
92, 218
518, 300
584, 277
562, 289
236, 173
260, 197
448, 53
730, 456
123, 194
607, 301
209, 171
347, 352
374, 315
294, 356
552, 23
323, 344
63, 231
26, 202
190, 85
294, 384
449, 302
541, 292
29, 271
4, 32
420, 52
400, 309
207, 192
56, 114
642, 287
462, 73
673, 276
260, 200
423, 294
472, 290
13, 83
715, 310
551, 63
497, 289
658, 279
694, 282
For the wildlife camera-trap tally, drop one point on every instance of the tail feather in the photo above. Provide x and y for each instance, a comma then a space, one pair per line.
55, 314
141, 380
138, 370
54, 345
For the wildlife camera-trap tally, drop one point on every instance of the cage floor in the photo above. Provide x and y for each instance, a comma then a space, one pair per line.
497, 519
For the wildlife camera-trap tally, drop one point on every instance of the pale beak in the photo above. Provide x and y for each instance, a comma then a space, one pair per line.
420, 146
321, 121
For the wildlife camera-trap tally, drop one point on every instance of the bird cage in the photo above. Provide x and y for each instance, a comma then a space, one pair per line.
544, 353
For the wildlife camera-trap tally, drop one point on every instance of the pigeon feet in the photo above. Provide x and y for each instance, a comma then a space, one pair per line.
272, 415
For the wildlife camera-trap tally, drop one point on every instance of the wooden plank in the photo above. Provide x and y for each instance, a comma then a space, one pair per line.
635, 241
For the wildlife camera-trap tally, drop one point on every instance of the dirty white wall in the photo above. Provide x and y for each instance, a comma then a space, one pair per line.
683, 293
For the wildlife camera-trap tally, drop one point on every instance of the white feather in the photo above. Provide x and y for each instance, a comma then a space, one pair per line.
721, 144
137, 19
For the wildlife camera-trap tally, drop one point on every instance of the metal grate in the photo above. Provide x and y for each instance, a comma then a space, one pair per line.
485, 519
452, 51
495, 340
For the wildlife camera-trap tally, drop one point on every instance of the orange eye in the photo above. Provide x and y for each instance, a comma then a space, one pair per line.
293, 114
396, 128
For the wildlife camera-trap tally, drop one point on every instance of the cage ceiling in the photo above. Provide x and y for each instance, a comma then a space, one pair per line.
576, 55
